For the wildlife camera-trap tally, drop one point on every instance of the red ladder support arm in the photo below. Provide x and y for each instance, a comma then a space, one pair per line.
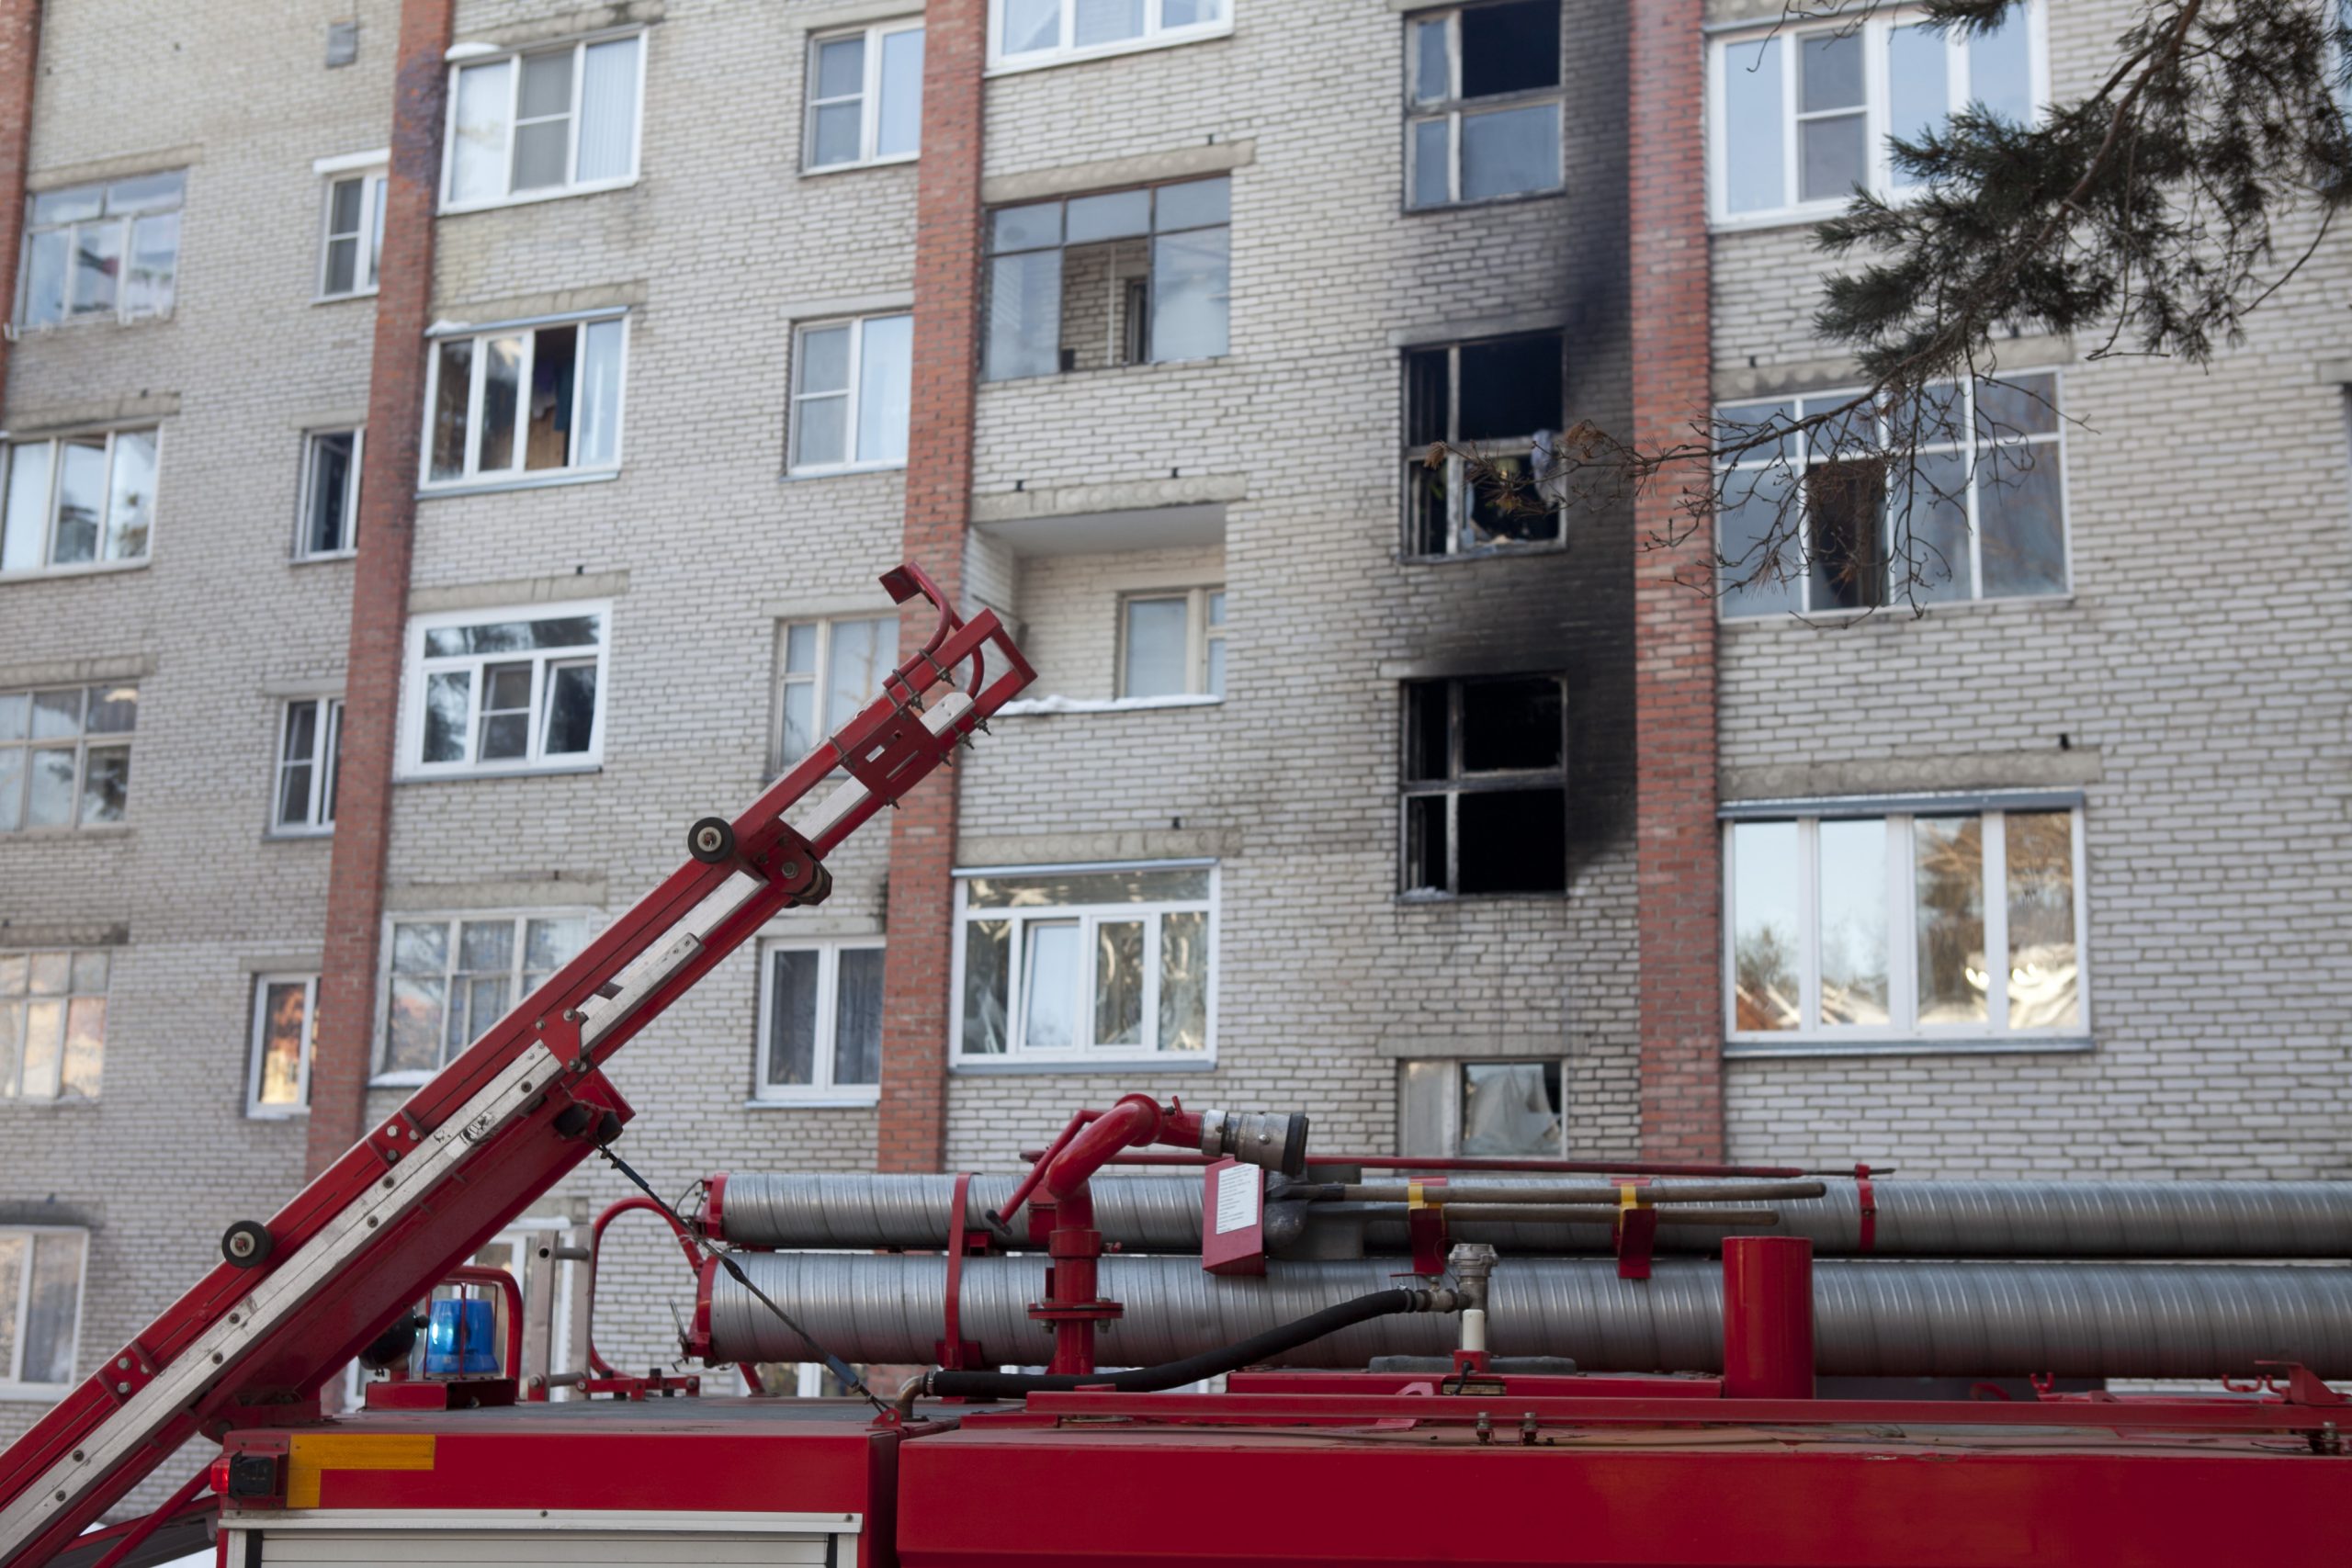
496, 1128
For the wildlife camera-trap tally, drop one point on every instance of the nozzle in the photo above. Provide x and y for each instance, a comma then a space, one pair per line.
1275, 1140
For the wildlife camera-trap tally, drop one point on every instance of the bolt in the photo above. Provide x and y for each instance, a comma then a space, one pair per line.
371, 1222
1486, 1427
1527, 1428
123, 1362
525, 1087
122, 1388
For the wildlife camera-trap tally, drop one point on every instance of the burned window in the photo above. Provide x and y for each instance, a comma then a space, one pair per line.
1482, 102
1480, 423
1125, 277
1486, 786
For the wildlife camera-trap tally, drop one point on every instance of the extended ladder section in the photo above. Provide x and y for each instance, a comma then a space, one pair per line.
298, 1298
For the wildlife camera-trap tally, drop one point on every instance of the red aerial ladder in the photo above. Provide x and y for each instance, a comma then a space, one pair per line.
297, 1298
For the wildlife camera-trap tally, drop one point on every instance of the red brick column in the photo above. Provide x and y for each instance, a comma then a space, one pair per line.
912, 1130
1674, 626
19, 68
346, 1022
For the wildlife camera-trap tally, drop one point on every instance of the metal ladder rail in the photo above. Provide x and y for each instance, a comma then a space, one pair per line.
507, 1119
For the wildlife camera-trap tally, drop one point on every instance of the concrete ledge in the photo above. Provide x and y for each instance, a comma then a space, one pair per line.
144, 408
1131, 495
1460, 330
848, 305
304, 686
517, 591
479, 315
95, 169
1912, 776
89, 1214
283, 964
1073, 179
1794, 377
65, 933
1483, 1047
852, 14
562, 892
1527, 658
1080, 849
67, 672
566, 24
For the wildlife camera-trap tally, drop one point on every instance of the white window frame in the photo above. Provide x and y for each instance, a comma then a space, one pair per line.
1798, 463
1154, 35
417, 668
1902, 1031
1087, 916
1198, 634
853, 396
869, 119
467, 57
1453, 108
122, 313
255, 1108
823, 1091
318, 818
372, 174
474, 476
350, 545
1437, 1088
84, 740
49, 567
12, 1386
820, 681
12, 1085
382, 1077
1736, 51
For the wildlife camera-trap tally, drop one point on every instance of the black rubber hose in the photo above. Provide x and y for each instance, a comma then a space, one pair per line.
1192, 1368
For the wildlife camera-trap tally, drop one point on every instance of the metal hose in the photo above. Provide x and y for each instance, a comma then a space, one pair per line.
1914, 1219
1869, 1318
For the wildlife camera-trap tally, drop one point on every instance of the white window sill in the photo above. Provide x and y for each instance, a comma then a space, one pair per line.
547, 480
54, 833
835, 471
1509, 198
1989, 1046
986, 381
407, 1078
463, 775
1488, 552
1815, 620
61, 1102
324, 557
278, 1113
843, 1101
1038, 707
20, 331
1046, 60
894, 161
1805, 216
1123, 1062
79, 569
35, 1393
531, 198
297, 835
345, 299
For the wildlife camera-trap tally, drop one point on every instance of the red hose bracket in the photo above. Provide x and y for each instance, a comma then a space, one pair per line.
1867, 1240
1637, 1228
955, 1352
1425, 1226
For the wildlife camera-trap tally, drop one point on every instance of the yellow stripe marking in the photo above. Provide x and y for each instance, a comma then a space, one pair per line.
310, 1455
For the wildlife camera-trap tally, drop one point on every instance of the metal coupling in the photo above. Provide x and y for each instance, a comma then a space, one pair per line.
1472, 1262
1275, 1140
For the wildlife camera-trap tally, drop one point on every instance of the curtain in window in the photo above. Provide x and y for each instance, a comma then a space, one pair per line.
608, 111
1507, 1109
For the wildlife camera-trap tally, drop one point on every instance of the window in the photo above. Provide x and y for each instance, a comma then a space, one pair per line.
1982, 514
285, 1021
309, 764
1486, 786
40, 1310
1129, 278
1172, 644
81, 500
66, 756
866, 96
1493, 409
450, 979
330, 524
542, 123
852, 385
1045, 32
491, 690
101, 251
52, 1025
1859, 929
825, 672
1801, 115
1451, 1108
352, 253
1085, 963
1482, 103
522, 402
821, 1021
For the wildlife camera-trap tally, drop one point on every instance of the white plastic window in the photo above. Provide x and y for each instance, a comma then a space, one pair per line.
866, 96
821, 1021
285, 1020
53, 1025
1085, 963
494, 690
852, 386
1173, 644
40, 1310
543, 122
518, 404
351, 254
1914, 927
101, 251
448, 979
329, 524
310, 762
66, 756
78, 502
825, 672
1023, 33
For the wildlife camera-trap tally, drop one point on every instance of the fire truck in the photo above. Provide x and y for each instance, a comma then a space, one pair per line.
1253, 1350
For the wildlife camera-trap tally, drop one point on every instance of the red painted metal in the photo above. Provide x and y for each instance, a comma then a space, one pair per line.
954, 1351
1628, 1166
134, 1536
1636, 1237
1233, 1219
1425, 1227
1866, 1239
887, 748
1768, 1317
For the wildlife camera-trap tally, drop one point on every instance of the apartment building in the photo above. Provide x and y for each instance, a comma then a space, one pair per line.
452, 444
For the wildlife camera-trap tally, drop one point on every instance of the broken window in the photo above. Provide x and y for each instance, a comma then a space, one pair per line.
1491, 410
507, 403
1124, 277
1482, 102
1172, 644
1486, 786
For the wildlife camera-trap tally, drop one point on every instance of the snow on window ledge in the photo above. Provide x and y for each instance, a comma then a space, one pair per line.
1021, 707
